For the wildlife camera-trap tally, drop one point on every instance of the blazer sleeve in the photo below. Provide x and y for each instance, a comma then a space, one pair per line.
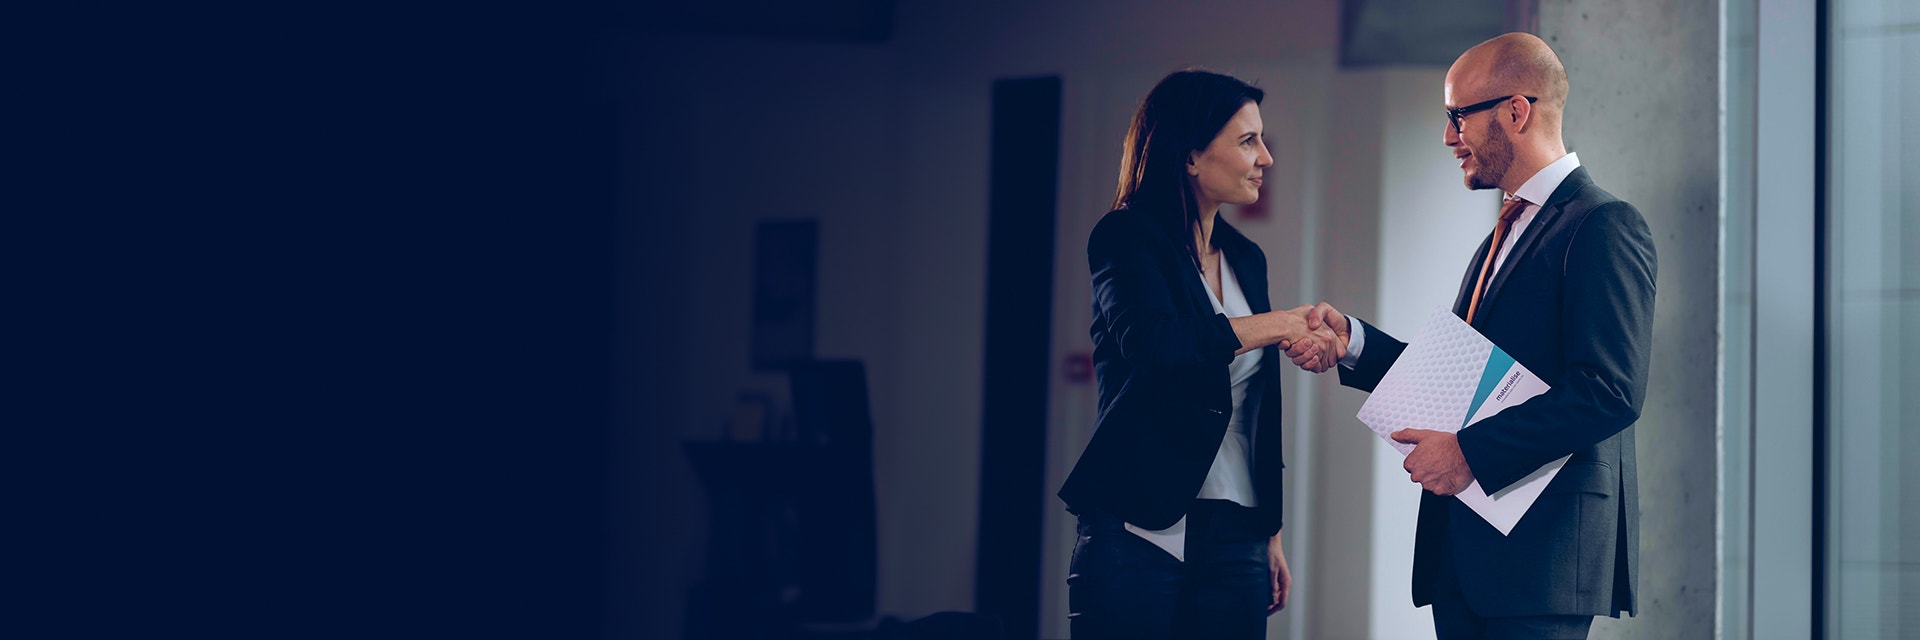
1132, 296
1379, 355
1607, 315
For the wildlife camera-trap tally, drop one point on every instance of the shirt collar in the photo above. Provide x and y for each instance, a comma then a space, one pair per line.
1541, 186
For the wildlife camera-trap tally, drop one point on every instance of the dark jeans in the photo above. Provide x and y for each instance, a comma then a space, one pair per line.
1454, 620
1121, 586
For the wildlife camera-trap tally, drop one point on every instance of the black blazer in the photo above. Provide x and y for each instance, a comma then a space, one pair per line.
1161, 355
1574, 303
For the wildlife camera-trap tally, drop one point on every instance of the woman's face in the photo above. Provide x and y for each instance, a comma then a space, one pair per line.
1229, 170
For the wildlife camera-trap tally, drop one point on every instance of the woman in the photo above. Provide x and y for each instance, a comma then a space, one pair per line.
1178, 493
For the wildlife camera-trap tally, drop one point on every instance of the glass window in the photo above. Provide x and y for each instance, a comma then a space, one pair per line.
1873, 319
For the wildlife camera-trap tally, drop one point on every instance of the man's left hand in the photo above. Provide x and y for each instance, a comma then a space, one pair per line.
1436, 462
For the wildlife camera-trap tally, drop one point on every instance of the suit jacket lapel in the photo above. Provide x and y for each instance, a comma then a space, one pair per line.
1531, 236
1473, 273
1196, 286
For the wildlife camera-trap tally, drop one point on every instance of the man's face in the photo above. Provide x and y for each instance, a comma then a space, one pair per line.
1480, 144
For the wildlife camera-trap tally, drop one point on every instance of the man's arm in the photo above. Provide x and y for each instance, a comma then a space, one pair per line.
1607, 326
1379, 355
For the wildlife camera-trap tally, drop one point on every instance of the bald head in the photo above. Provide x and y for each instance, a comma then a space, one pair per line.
1508, 65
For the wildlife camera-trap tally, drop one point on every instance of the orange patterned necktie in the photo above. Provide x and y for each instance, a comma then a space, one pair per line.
1509, 212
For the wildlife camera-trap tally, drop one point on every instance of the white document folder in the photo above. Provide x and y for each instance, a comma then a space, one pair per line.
1449, 377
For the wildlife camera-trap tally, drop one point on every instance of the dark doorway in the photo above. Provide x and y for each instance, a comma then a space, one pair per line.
1025, 157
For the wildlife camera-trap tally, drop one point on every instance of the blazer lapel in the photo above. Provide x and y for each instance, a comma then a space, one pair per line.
1473, 273
1548, 211
1190, 275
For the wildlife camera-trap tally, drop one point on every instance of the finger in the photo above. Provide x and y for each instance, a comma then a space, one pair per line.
1327, 311
1273, 581
1314, 317
1409, 436
1333, 318
1333, 343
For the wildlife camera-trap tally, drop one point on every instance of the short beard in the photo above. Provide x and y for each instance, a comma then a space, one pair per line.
1494, 158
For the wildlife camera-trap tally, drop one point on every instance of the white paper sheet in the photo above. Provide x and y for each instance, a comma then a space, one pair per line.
1446, 373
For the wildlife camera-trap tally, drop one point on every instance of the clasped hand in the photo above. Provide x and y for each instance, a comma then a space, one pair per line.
1319, 341
1436, 462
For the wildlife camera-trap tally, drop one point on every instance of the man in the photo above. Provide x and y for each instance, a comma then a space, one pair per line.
1564, 284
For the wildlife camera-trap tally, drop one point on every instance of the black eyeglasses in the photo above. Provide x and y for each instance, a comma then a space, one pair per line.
1454, 115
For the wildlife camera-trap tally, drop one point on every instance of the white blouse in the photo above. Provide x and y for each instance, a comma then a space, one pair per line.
1231, 476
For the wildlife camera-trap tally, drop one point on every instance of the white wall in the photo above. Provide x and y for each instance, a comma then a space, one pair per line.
1430, 226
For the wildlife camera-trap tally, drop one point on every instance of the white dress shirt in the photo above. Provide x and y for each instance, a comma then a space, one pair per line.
1535, 191
1231, 477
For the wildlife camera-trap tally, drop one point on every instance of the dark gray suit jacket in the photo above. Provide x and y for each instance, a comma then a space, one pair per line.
1574, 303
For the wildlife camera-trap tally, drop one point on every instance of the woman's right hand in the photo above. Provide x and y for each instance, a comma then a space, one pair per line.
1293, 336
1314, 349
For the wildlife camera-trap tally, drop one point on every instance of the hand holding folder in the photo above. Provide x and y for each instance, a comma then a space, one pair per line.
1448, 378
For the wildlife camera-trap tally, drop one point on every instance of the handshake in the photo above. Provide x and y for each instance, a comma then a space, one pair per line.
1313, 336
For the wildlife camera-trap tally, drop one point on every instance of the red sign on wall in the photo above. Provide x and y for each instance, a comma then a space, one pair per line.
1078, 367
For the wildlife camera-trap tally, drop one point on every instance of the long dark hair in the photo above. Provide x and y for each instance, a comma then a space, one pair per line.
1182, 114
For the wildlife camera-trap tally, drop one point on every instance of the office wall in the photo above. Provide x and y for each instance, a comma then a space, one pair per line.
1644, 119
1430, 225
1338, 464
717, 134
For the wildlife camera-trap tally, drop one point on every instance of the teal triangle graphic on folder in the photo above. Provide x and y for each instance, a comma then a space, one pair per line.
1498, 363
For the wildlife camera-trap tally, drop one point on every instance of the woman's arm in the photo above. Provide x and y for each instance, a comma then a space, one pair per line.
1284, 328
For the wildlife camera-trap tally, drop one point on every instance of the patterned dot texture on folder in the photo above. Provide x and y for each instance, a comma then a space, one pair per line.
1433, 381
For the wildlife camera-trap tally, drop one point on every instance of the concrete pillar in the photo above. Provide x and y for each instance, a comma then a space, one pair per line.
1643, 115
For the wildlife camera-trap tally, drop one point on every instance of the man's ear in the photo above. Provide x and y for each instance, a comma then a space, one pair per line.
1522, 114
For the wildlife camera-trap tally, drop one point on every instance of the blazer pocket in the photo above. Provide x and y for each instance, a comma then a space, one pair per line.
1584, 477
1589, 487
